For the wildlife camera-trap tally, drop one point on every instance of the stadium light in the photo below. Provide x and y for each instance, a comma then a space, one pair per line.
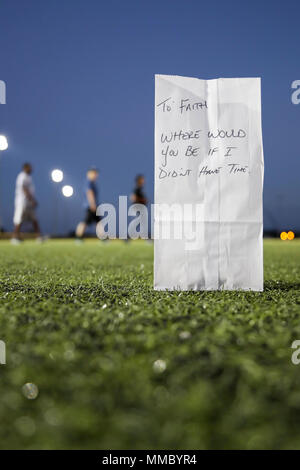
67, 191
283, 236
57, 176
3, 146
287, 235
3, 143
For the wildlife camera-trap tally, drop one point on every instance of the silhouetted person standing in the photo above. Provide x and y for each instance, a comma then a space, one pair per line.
138, 196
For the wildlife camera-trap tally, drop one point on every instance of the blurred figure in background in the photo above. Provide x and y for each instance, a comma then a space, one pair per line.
138, 195
90, 203
25, 204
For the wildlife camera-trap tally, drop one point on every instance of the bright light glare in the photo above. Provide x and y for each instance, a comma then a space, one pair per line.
283, 236
3, 142
291, 235
57, 176
67, 191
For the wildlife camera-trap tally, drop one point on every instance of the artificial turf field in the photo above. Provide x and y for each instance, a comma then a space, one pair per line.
120, 366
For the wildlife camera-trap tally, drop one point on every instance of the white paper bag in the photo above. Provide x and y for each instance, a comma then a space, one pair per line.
208, 184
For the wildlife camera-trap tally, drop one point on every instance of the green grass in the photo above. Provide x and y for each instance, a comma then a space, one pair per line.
84, 324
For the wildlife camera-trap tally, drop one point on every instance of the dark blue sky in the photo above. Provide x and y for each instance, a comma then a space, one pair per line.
80, 89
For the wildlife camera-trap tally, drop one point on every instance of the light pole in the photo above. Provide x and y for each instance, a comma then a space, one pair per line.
3, 146
67, 192
57, 176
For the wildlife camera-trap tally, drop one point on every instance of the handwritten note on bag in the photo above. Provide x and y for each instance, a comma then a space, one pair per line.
208, 184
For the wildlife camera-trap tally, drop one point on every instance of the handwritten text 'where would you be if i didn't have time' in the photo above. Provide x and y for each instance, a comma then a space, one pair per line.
214, 150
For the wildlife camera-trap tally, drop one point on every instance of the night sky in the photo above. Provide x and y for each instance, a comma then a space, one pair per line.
80, 90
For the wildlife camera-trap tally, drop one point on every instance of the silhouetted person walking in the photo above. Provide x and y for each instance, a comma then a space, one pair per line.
25, 203
90, 203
